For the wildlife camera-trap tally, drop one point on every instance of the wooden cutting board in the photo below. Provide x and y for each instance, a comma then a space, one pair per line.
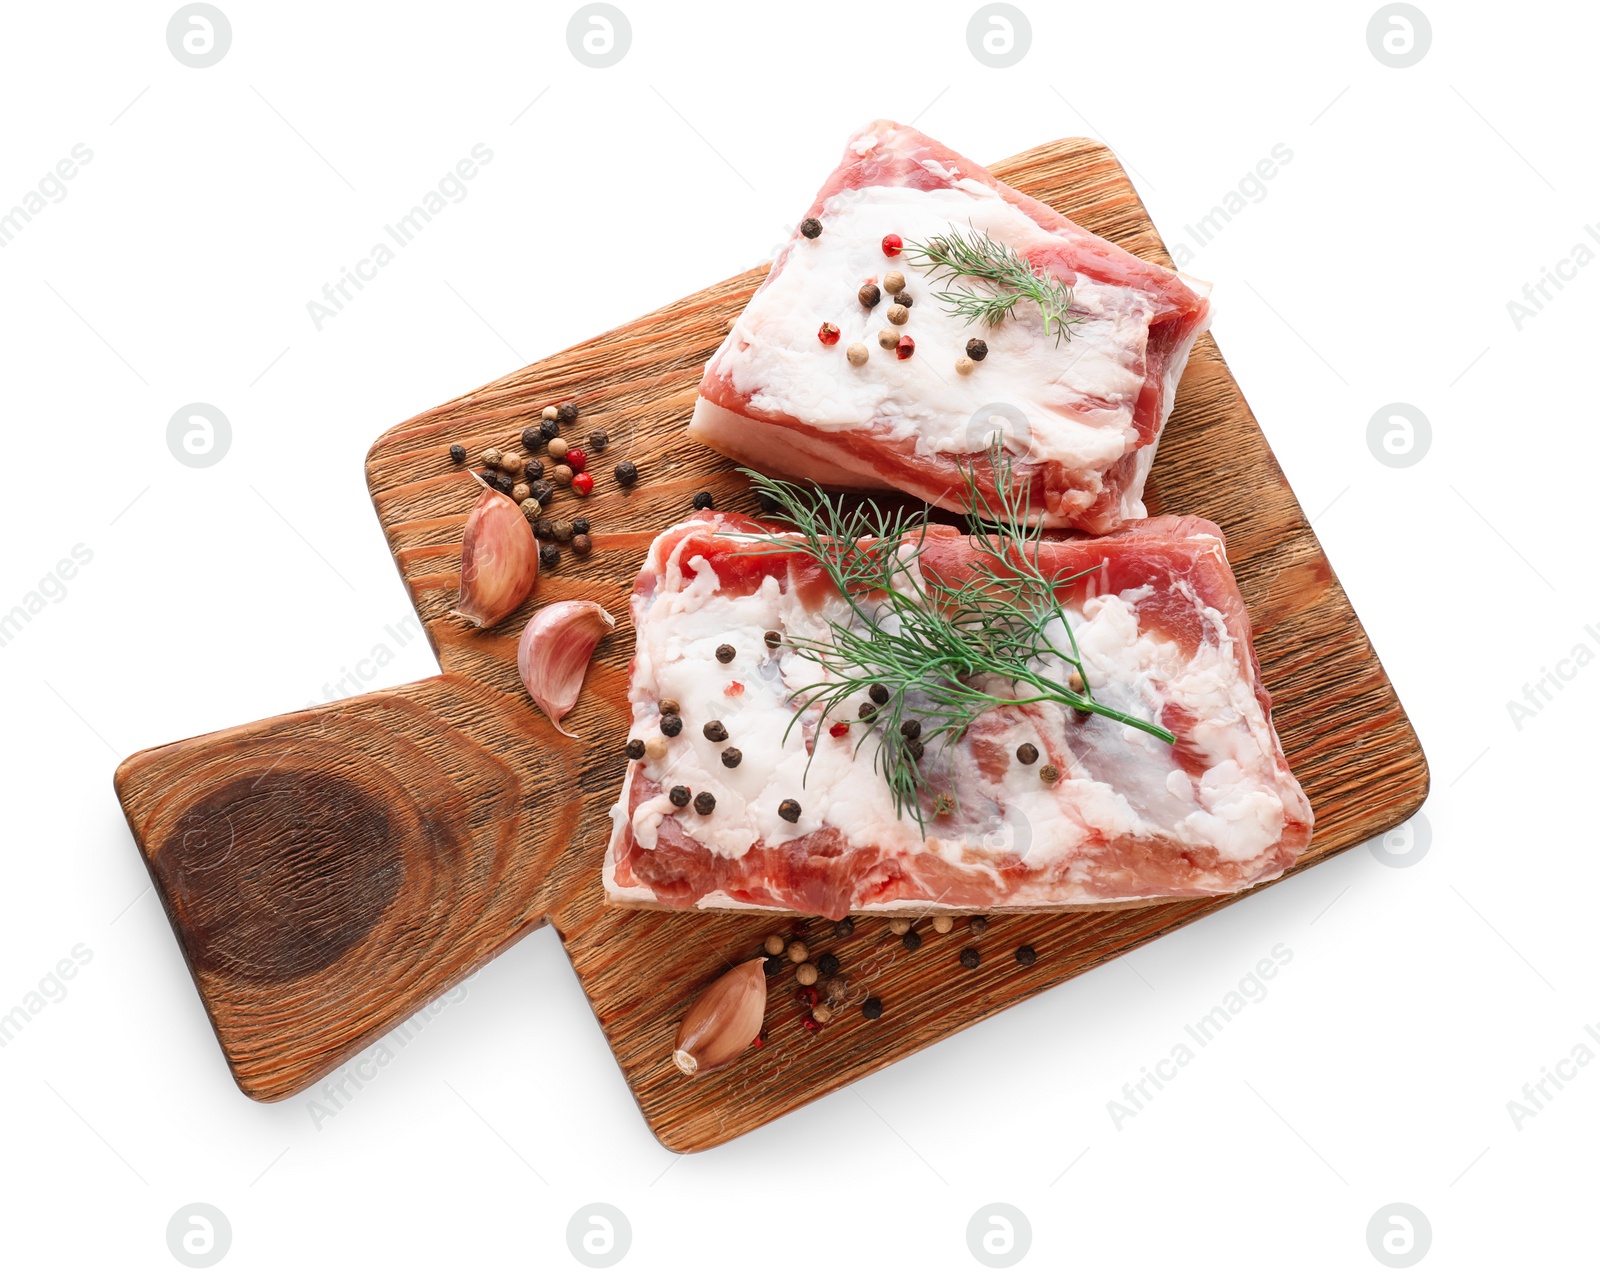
331, 871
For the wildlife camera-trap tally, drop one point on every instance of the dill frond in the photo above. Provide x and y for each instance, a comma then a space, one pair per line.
1010, 279
928, 641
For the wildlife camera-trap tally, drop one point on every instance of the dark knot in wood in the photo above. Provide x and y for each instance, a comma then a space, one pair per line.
279, 876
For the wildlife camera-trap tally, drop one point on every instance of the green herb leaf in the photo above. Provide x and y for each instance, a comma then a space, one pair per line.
928, 641
1009, 276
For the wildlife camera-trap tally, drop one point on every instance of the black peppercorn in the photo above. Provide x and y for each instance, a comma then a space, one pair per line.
844, 927
549, 429
789, 810
533, 470
532, 439
869, 295
715, 731
544, 528
903, 298
827, 965
977, 925
872, 1008
580, 525
679, 795
626, 473
914, 749
811, 227
977, 349
768, 505
1027, 753
911, 941
497, 480
1026, 955
703, 500
543, 491
731, 756
878, 693
549, 557
725, 653
599, 440
582, 545
671, 724
969, 958
458, 454
566, 412
866, 711
910, 729
774, 964
773, 639
704, 803
635, 748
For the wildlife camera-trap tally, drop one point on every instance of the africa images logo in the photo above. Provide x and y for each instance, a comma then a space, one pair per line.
450, 188
50, 188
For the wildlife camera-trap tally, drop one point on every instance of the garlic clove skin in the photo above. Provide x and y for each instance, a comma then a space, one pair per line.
724, 1020
499, 559
553, 654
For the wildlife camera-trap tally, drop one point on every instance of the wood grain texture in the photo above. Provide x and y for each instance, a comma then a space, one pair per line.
460, 839
330, 872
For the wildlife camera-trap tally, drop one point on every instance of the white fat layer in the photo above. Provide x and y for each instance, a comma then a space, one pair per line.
1116, 781
1077, 397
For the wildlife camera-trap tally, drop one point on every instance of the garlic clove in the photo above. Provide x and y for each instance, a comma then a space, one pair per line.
499, 559
553, 654
724, 1020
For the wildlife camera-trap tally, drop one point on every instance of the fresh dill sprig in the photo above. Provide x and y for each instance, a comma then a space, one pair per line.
946, 652
1010, 278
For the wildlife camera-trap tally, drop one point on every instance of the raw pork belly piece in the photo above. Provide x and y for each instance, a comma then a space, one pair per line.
1164, 637
777, 398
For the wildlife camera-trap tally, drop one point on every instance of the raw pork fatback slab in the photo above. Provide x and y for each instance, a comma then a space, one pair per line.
1164, 636
1081, 416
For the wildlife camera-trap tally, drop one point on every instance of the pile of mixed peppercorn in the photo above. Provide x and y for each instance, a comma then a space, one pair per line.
825, 989
524, 479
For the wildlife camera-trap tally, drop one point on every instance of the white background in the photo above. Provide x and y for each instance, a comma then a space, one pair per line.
1377, 269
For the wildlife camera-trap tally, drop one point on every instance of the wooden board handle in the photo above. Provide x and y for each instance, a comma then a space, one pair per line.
330, 872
